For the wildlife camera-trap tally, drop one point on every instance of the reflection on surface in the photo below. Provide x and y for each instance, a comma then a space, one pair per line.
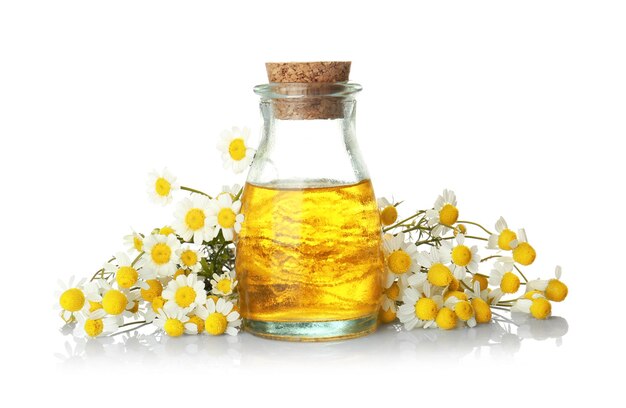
503, 338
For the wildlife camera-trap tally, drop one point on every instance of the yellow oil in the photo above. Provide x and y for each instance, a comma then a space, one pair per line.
310, 254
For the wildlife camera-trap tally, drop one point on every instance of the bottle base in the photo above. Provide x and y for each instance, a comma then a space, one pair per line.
312, 331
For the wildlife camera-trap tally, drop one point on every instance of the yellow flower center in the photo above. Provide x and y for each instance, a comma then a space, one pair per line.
524, 254
174, 327
461, 255
216, 324
135, 307
180, 272
195, 219
161, 253
426, 309
137, 243
556, 290
162, 187
189, 258
114, 302
456, 293
199, 322
93, 328
93, 306
448, 215
126, 277
529, 295
157, 303
167, 230
237, 149
505, 238
464, 310
446, 319
461, 228
387, 316
224, 286
154, 289
185, 295
393, 292
439, 275
481, 310
399, 262
482, 281
454, 284
509, 283
389, 215
72, 300
540, 308
226, 218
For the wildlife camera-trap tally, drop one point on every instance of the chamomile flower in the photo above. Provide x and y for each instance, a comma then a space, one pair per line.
192, 219
219, 317
160, 257
116, 301
388, 211
553, 289
233, 191
164, 230
388, 309
438, 273
236, 153
523, 252
463, 310
388, 312
195, 325
96, 324
126, 274
190, 258
161, 186
400, 258
463, 257
225, 216
172, 319
535, 304
185, 291
224, 284
502, 239
134, 241
444, 214
71, 297
419, 309
502, 275
480, 302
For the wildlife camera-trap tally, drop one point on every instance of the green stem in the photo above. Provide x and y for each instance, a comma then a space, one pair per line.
193, 190
520, 272
397, 224
476, 224
137, 258
490, 257
238, 194
101, 271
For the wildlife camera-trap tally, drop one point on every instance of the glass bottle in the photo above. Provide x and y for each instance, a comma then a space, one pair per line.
309, 256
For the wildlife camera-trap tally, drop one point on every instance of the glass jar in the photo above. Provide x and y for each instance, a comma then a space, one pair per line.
309, 256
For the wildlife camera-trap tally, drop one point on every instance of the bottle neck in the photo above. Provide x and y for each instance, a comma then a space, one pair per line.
317, 151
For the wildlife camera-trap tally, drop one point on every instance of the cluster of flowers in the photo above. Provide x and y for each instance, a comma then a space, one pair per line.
181, 278
441, 287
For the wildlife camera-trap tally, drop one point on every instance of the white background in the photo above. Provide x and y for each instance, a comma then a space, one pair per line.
517, 106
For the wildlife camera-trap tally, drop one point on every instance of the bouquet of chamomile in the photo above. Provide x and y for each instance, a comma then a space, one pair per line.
181, 277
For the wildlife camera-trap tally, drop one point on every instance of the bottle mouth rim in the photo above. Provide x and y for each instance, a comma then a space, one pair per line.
292, 90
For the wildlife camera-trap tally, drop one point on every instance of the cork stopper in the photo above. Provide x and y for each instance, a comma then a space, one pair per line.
316, 99
305, 72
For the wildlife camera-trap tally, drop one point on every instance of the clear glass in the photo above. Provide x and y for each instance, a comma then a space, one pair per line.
309, 256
